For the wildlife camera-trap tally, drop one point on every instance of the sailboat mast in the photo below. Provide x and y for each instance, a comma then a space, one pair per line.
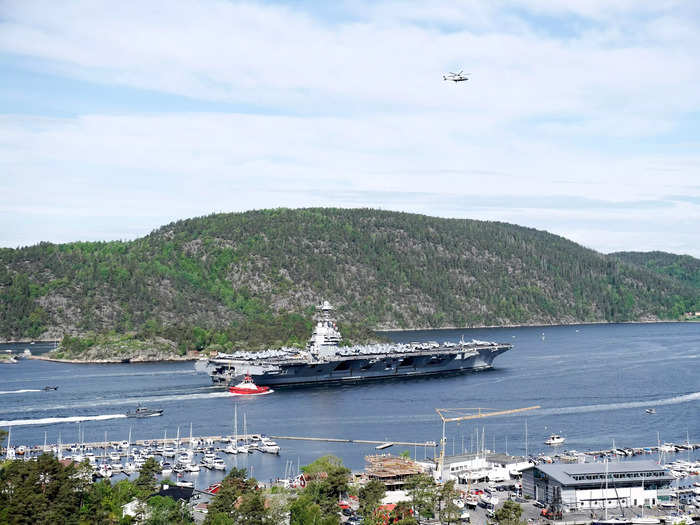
605, 494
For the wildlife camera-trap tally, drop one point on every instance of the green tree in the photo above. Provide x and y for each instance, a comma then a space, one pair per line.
424, 495
449, 512
235, 489
41, 491
304, 510
370, 496
166, 511
252, 509
509, 513
146, 482
219, 518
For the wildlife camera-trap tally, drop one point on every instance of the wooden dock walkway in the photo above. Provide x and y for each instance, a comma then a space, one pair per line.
361, 441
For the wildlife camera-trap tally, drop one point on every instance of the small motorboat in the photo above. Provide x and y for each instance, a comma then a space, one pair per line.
555, 439
144, 412
47, 388
248, 388
650, 411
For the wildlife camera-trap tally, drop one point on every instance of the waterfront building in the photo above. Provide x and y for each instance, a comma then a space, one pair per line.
394, 471
466, 468
582, 486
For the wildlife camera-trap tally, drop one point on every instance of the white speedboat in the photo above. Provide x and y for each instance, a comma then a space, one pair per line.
218, 464
270, 448
185, 458
555, 439
105, 471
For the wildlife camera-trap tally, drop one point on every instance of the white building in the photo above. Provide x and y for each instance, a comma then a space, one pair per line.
477, 467
583, 486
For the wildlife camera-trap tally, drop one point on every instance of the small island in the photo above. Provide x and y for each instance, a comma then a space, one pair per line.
115, 348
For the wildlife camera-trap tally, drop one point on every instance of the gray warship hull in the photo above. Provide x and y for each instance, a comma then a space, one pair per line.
357, 368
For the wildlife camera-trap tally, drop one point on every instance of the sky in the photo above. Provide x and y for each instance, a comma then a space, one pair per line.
581, 118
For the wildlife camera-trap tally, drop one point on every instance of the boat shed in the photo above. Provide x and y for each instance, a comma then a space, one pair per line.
582, 486
490, 466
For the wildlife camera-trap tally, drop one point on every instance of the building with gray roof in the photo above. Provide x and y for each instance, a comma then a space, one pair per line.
582, 486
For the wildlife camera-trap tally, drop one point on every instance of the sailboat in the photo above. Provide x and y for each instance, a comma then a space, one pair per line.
10, 452
232, 447
244, 449
606, 520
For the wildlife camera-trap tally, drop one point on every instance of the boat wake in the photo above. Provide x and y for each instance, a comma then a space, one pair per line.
686, 398
124, 401
52, 420
19, 391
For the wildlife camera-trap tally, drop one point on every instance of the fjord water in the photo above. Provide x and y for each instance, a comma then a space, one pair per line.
593, 382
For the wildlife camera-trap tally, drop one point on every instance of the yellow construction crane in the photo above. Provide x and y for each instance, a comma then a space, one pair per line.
442, 412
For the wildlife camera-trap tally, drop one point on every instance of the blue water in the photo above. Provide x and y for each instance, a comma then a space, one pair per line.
593, 383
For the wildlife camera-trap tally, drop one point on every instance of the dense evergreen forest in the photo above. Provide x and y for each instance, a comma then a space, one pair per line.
684, 268
251, 279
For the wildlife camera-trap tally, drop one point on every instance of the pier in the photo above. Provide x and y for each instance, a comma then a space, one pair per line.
384, 444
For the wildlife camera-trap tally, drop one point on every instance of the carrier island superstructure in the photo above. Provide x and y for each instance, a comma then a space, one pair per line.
325, 361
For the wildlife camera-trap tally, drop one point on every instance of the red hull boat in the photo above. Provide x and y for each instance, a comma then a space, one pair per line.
248, 388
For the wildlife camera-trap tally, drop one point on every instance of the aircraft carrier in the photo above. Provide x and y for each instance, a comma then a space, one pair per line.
325, 361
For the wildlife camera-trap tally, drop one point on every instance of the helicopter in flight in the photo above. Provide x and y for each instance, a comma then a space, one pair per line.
456, 77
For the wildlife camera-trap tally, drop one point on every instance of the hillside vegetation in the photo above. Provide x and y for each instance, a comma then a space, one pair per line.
683, 268
251, 279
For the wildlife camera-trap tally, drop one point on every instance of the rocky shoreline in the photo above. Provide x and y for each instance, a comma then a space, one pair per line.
114, 361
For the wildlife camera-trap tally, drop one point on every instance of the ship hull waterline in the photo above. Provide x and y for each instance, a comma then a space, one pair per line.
361, 370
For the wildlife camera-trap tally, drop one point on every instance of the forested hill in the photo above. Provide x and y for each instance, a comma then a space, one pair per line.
252, 279
684, 268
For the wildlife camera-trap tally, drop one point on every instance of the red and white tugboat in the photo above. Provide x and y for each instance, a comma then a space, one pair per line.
248, 388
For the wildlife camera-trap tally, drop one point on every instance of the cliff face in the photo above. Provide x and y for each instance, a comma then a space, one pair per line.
252, 279
116, 348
